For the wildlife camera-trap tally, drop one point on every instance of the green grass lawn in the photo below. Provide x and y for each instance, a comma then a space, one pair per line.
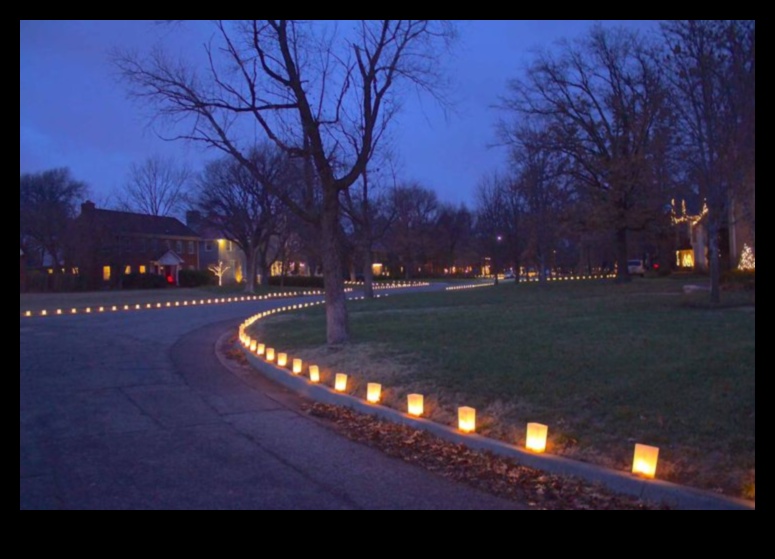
36, 302
603, 365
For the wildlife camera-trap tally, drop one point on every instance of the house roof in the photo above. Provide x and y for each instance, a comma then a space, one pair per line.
129, 223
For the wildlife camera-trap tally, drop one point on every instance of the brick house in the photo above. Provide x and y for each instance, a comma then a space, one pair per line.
108, 244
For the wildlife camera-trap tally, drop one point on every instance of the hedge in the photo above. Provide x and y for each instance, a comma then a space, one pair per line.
143, 281
196, 278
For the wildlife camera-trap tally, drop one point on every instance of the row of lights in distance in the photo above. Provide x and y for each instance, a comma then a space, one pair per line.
468, 286
169, 304
194, 302
569, 278
393, 285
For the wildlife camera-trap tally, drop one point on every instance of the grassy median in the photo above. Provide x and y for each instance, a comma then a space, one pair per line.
603, 365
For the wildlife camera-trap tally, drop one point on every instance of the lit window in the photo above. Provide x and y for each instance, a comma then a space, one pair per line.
685, 258
143, 269
106, 273
128, 269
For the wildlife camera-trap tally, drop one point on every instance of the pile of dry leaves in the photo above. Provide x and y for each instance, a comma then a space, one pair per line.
485, 471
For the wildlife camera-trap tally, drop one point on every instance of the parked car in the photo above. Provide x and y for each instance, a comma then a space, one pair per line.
636, 267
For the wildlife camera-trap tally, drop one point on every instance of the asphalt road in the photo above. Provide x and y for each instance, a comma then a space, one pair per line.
135, 411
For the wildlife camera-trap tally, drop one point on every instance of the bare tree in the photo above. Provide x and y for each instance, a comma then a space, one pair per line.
541, 186
157, 186
368, 207
604, 101
416, 211
47, 203
243, 208
713, 70
319, 93
454, 228
500, 206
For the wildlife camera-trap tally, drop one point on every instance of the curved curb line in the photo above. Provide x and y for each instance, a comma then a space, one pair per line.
675, 496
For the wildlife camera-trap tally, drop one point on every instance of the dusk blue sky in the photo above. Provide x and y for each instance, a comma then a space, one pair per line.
74, 112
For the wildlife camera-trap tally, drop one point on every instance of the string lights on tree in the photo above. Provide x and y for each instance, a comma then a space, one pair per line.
684, 216
747, 259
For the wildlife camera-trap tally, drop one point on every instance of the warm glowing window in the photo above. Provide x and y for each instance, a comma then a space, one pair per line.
684, 258
143, 269
106, 273
128, 270
376, 269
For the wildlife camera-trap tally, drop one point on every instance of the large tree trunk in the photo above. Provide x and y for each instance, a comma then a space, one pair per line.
622, 273
368, 274
713, 258
263, 271
542, 268
250, 268
337, 328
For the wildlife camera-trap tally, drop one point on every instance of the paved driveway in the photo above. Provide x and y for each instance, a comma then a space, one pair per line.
135, 411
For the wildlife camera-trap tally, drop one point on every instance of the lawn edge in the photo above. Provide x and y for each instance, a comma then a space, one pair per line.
674, 495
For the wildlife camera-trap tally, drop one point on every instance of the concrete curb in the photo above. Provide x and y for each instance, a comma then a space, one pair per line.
675, 496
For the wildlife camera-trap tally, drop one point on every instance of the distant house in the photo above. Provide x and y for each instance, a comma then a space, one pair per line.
691, 226
109, 244
217, 247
